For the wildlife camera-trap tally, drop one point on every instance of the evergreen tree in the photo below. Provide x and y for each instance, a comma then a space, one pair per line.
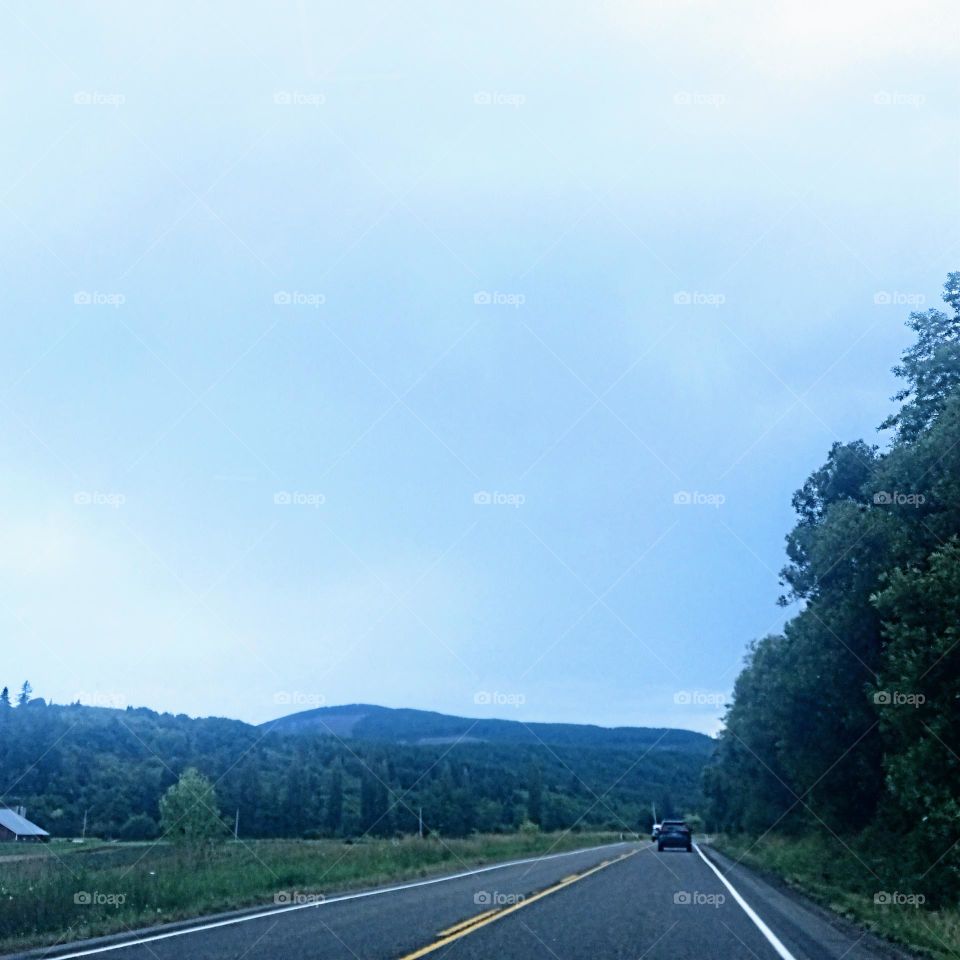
535, 794
334, 817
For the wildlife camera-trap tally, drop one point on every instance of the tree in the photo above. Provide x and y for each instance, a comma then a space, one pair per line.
931, 367
334, 817
188, 811
535, 794
918, 703
5, 699
23, 697
848, 722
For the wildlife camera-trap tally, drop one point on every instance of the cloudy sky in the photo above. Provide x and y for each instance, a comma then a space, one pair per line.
363, 352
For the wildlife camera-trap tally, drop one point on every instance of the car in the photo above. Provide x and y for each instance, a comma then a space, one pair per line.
655, 832
674, 834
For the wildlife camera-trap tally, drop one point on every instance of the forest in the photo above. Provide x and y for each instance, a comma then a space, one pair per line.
846, 725
108, 768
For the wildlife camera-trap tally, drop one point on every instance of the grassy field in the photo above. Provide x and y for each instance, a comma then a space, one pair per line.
70, 894
839, 878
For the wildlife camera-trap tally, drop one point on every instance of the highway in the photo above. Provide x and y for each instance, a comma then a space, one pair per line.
622, 902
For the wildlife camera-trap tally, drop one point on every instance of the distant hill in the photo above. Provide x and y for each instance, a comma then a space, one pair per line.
342, 771
363, 721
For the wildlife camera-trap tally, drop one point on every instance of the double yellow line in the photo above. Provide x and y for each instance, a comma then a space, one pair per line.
491, 916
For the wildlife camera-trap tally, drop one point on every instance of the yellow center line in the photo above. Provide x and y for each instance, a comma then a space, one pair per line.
491, 916
469, 922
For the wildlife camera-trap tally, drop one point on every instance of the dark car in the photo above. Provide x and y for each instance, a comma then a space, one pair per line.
674, 834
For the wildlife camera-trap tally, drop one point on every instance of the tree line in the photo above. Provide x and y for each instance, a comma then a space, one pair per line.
848, 721
108, 768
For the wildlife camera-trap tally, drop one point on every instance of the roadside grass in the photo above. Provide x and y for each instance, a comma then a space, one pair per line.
57, 899
840, 878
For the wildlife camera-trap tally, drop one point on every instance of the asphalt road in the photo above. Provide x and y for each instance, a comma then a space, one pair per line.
621, 902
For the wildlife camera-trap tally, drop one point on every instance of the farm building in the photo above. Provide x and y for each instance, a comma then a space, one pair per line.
15, 826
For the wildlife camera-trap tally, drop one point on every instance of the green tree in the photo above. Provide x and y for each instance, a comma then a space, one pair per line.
23, 697
848, 722
535, 794
188, 811
931, 367
334, 812
918, 702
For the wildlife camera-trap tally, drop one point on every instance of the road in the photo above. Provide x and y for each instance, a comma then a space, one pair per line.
619, 902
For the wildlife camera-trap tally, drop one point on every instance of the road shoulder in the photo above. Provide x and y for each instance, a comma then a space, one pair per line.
807, 928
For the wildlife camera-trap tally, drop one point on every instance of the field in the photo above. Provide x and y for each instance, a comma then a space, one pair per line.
836, 878
63, 892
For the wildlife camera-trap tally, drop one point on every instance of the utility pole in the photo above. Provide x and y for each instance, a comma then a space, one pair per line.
236, 825
420, 824
83, 836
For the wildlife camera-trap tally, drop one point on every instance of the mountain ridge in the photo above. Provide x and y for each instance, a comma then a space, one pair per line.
413, 727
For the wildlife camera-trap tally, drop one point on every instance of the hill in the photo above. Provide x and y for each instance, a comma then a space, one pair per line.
362, 721
341, 772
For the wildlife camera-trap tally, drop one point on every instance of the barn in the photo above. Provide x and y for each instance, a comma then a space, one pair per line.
15, 826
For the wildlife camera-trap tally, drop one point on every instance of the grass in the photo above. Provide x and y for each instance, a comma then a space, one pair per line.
56, 898
840, 878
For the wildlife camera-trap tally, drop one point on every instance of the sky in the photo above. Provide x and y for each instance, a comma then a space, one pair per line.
452, 356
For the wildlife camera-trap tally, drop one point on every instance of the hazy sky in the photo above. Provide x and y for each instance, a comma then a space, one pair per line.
382, 261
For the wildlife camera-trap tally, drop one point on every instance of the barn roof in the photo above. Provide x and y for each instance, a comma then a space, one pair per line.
21, 826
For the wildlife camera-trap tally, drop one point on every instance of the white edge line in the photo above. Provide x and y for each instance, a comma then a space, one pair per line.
379, 891
773, 939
